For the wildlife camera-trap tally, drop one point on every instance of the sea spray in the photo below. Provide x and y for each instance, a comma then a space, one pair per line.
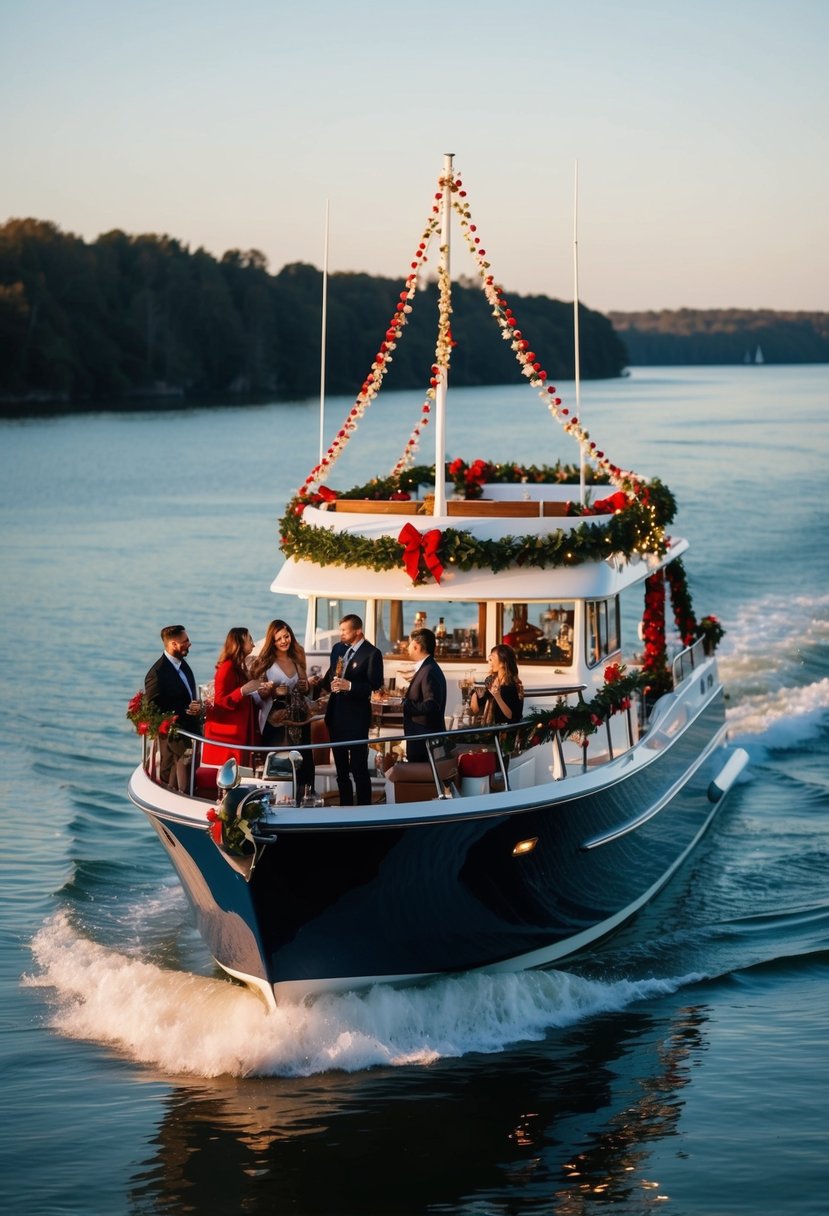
188, 1024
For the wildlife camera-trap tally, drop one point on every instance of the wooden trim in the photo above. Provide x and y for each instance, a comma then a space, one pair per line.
494, 508
373, 506
483, 508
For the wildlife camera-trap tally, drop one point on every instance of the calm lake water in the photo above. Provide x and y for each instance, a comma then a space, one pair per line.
684, 1066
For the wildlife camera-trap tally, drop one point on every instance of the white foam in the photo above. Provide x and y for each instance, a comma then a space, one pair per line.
184, 1023
767, 649
771, 635
785, 717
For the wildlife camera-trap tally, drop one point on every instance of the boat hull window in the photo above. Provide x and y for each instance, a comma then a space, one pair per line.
603, 633
550, 640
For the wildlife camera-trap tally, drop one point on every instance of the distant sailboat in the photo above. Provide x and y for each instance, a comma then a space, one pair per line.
758, 356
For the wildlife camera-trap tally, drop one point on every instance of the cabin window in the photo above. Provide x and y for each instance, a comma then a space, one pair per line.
602, 626
328, 616
461, 634
540, 633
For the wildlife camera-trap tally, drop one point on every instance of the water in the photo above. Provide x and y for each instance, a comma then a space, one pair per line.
683, 1065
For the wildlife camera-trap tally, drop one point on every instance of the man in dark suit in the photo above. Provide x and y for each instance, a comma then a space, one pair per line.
356, 671
424, 705
171, 686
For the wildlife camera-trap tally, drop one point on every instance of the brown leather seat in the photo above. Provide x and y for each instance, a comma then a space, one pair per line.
413, 780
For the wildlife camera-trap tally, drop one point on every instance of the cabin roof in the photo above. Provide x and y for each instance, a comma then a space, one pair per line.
590, 580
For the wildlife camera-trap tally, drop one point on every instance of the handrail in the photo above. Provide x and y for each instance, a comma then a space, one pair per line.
552, 690
687, 661
431, 741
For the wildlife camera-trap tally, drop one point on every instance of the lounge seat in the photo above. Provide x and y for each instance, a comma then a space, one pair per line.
413, 780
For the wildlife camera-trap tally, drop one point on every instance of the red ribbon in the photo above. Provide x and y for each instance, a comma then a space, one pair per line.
612, 504
420, 544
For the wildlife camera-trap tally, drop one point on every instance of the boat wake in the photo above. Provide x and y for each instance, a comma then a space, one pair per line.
189, 1024
774, 667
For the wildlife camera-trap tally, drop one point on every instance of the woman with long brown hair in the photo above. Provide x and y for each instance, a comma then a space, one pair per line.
502, 696
284, 708
230, 719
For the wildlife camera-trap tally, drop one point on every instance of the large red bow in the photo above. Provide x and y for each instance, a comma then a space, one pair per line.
417, 544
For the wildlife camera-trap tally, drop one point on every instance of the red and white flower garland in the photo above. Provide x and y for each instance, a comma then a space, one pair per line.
531, 367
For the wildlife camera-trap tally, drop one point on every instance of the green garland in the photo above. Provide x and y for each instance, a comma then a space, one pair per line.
148, 719
639, 527
584, 718
463, 476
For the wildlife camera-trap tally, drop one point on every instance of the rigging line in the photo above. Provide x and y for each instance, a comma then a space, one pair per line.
576, 342
324, 331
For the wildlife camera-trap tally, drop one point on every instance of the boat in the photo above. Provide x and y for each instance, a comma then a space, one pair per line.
510, 847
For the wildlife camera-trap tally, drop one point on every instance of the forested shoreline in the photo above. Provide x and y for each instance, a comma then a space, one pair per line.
133, 317
704, 337
126, 319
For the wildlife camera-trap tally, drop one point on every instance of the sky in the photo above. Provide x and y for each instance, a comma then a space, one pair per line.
697, 132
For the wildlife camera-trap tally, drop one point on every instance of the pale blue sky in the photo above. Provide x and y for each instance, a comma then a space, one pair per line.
700, 131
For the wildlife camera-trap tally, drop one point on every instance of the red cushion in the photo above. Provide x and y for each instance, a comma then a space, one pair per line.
205, 779
476, 764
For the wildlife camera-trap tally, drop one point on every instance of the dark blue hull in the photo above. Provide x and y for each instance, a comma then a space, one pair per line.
325, 905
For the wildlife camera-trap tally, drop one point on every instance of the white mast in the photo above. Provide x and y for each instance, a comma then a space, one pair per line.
440, 394
576, 344
323, 334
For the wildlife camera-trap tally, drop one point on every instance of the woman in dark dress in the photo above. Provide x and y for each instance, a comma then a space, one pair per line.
502, 697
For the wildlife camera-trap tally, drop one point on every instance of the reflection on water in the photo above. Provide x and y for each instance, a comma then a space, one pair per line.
483, 1134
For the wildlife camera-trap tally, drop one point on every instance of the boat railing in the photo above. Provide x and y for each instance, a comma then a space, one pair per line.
438, 746
687, 661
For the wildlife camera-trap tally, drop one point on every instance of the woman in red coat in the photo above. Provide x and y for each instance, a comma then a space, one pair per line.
231, 717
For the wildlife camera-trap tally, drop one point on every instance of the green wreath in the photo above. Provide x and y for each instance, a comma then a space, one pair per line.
638, 527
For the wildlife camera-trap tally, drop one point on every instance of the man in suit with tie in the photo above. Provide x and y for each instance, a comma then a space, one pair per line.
356, 671
424, 705
171, 686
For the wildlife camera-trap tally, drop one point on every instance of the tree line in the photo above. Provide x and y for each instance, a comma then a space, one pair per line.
131, 317
717, 336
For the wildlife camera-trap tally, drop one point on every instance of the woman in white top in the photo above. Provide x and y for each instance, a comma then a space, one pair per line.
281, 665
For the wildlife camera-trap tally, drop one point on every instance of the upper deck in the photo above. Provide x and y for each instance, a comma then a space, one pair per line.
506, 514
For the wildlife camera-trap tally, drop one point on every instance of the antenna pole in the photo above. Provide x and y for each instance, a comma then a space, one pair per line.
443, 375
324, 332
576, 342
